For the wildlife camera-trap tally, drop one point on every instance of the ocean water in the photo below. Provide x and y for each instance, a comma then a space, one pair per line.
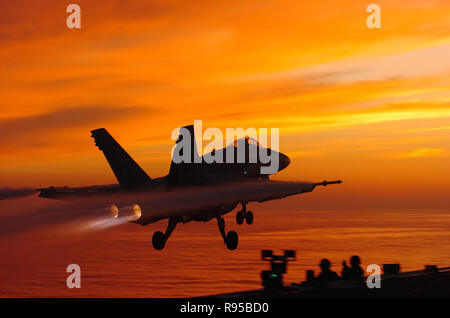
120, 261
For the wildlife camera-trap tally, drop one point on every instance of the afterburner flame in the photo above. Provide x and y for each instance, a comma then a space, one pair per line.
137, 212
114, 210
128, 212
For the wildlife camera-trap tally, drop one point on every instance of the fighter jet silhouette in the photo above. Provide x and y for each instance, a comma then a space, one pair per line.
196, 175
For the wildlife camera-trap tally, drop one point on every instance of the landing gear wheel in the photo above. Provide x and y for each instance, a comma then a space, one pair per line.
249, 217
240, 217
158, 240
232, 240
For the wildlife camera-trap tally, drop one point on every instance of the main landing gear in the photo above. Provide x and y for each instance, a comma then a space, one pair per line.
243, 214
231, 239
159, 238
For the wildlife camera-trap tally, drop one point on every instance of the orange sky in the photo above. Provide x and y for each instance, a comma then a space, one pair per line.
369, 106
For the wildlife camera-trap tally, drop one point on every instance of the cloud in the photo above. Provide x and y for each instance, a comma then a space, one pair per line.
63, 119
416, 63
306, 153
425, 152
29, 20
341, 119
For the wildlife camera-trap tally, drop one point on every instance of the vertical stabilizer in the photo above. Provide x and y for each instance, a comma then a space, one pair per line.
126, 170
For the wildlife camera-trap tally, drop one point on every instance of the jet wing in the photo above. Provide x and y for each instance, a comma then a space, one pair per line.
157, 205
214, 199
283, 189
270, 190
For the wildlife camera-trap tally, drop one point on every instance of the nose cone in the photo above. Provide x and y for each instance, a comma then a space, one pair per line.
284, 161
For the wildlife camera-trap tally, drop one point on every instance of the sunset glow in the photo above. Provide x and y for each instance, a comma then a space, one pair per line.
370, 106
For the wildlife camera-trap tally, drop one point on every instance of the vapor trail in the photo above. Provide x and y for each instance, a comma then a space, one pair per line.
8, 193
92, 214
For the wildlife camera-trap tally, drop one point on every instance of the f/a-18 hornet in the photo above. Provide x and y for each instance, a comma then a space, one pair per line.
197, 176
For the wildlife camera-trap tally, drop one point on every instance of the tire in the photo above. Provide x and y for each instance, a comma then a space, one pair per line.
232, 240
240, 217
158, 240
249, 217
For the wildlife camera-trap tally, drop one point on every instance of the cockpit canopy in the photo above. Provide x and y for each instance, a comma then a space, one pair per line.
245, 141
